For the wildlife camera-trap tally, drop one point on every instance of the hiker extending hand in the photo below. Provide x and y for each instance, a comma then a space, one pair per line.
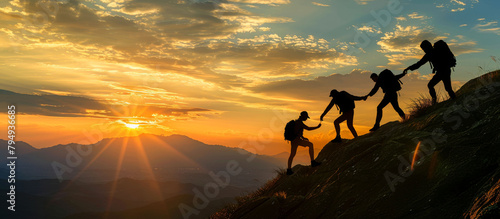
345, 104
294, 132
441, 60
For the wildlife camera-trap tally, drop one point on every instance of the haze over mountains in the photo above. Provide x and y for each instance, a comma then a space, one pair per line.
147, 156
120, 174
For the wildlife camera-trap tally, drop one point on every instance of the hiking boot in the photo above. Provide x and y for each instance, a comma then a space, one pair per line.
375, 128
315, 163
338, 139
289, 171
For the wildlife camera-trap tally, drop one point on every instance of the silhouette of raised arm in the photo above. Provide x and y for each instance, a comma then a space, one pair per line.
332, 102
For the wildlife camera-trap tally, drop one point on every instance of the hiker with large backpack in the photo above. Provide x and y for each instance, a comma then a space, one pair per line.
441, 60
390, 85
345, 104
294, 132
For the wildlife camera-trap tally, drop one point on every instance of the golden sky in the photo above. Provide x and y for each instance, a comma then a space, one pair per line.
222, 72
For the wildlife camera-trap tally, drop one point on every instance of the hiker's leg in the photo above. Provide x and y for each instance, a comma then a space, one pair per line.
380, 107
337, 122
350, 120
447, 83
307, 143
293, 151
311, 151
395, 104
436, 79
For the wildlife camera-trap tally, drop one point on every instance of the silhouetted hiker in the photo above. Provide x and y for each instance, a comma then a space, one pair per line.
294, 132
345, 104
441, 60
390, 85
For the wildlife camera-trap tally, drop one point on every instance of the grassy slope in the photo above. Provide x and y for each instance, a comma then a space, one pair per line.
456, 177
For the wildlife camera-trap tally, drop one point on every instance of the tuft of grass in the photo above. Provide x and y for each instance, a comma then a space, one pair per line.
280, 195
225, 212
419, 106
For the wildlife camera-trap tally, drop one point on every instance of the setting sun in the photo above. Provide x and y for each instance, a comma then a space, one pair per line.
131, 126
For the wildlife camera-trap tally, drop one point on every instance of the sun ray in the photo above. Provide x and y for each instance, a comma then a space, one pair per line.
93, 159
177, 153
72, 180
117, 174
144, 158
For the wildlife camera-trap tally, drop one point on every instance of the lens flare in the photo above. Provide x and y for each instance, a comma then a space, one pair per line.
415, 155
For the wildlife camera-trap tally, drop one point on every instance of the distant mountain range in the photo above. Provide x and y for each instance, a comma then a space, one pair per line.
146, 156
143, 174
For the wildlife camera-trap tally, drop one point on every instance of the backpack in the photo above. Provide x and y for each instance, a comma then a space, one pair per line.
290, 131
389, 81
443, 57
343, 102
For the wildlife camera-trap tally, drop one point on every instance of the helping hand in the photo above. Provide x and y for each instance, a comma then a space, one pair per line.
405, 71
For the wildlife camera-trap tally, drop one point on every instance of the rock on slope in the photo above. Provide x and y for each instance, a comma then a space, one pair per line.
456, 171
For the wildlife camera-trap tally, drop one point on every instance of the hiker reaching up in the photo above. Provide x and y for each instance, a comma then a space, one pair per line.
441, 60
390, 85
294, 132
345, 104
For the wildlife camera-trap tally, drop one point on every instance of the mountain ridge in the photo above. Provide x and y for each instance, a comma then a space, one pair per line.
441, 164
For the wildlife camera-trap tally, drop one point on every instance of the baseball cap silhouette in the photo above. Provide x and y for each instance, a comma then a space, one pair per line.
305, 114
333, 92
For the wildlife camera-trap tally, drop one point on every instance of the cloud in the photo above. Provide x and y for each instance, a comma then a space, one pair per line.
362, 2
458, 2
170, 36
457, 9
488, 27
263, 2
458, 5
320, 4
403, 43
417, 16
48, 104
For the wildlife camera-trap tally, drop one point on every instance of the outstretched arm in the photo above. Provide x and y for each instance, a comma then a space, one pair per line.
356, 97
400, 75
327, 109
304, 126
374, 90
417, 65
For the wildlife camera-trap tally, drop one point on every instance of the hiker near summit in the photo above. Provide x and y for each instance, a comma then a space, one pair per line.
294, 132
345, 104
441, 60
390, 85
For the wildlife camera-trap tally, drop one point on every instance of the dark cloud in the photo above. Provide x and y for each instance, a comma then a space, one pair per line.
357, 83
187, 20
74, 106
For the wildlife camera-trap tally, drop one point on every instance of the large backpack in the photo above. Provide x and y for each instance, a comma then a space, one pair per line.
443, 57
343, 102
388, 81
290, 133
